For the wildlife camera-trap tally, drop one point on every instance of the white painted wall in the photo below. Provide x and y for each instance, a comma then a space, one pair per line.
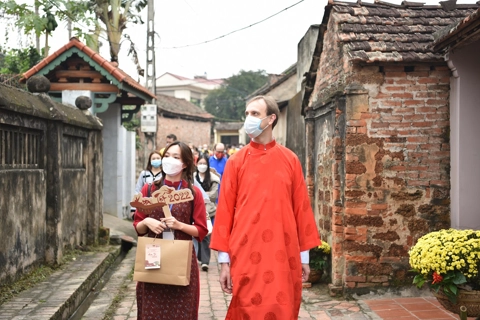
182, 94
130, 178
113, 162
465, 138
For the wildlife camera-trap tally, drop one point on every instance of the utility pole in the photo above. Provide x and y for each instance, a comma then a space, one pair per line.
151, 48
150, 68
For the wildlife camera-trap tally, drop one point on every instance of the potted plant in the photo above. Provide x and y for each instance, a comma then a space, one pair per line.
449, 261
319, 259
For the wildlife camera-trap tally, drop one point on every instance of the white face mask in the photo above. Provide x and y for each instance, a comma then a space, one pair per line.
172, 166
252, 126
202, 168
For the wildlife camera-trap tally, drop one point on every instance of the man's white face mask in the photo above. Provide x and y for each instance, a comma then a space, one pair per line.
252, 126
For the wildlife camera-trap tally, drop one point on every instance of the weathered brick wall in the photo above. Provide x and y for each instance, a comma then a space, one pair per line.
396, 187
329, 182
331, 68
197, 132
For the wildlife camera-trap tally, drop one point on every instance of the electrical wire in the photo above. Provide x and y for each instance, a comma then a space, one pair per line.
234, 31
188, 45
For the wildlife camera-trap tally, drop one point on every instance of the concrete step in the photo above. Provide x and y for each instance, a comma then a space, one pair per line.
105, 301
59, 296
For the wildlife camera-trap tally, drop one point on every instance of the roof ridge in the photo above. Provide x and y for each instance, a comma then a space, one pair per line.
403, 5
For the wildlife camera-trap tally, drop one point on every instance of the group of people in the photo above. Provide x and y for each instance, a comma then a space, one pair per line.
228, 150
263, 225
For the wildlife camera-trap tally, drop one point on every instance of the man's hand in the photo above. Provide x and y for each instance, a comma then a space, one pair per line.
305, 272
225, 279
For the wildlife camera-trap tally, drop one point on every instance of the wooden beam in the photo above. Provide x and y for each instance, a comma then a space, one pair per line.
94, 87
130, 101
78, 74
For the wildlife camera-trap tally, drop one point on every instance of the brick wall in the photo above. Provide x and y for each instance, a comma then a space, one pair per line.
386, 182
186, 131
197, 132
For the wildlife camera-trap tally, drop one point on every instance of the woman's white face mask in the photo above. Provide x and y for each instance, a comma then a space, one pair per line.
202, 168
172, 166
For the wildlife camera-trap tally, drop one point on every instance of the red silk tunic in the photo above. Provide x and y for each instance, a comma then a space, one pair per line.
264, 219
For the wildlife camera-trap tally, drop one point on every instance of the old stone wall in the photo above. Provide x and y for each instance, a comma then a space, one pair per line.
51, 172
385, 183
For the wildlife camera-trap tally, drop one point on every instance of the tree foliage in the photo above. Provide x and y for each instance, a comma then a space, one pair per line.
29, 21
17, 61
228, 102
114, 15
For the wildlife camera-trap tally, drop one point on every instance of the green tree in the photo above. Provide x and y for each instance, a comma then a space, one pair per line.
17, 61
28, 20
114, 14
228, 102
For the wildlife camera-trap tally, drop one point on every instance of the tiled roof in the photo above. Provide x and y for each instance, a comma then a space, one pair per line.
117, 73
181, 107
175, 76
463, 31
228, 126
387, 32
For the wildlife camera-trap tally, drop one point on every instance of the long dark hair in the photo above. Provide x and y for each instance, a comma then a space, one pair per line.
206, 184
149, 164
187, 159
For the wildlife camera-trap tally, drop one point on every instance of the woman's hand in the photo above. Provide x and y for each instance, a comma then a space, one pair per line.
172, 223
154, 225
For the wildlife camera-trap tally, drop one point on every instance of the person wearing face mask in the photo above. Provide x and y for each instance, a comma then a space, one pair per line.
151, 173
264, 224
218, 160
209, 183
166, 302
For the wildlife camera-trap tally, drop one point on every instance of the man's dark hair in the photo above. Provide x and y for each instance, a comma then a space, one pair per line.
172, 136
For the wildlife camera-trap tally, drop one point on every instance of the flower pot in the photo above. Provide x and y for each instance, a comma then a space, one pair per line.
315, 276
469, 299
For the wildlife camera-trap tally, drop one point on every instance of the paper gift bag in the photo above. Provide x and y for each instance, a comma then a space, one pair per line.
175, 265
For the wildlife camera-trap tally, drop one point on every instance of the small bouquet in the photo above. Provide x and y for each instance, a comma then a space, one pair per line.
319, 256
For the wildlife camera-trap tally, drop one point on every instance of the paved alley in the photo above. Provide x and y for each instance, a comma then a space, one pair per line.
214, 303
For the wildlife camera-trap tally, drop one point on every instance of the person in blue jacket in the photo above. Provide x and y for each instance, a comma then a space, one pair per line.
219, 159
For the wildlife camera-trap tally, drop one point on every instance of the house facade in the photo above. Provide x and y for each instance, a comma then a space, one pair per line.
228, 133
194, 90
377, 126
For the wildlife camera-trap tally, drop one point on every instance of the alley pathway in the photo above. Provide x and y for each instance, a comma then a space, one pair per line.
214, 303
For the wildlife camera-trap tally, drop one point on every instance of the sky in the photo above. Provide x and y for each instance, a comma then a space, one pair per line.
270, 45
